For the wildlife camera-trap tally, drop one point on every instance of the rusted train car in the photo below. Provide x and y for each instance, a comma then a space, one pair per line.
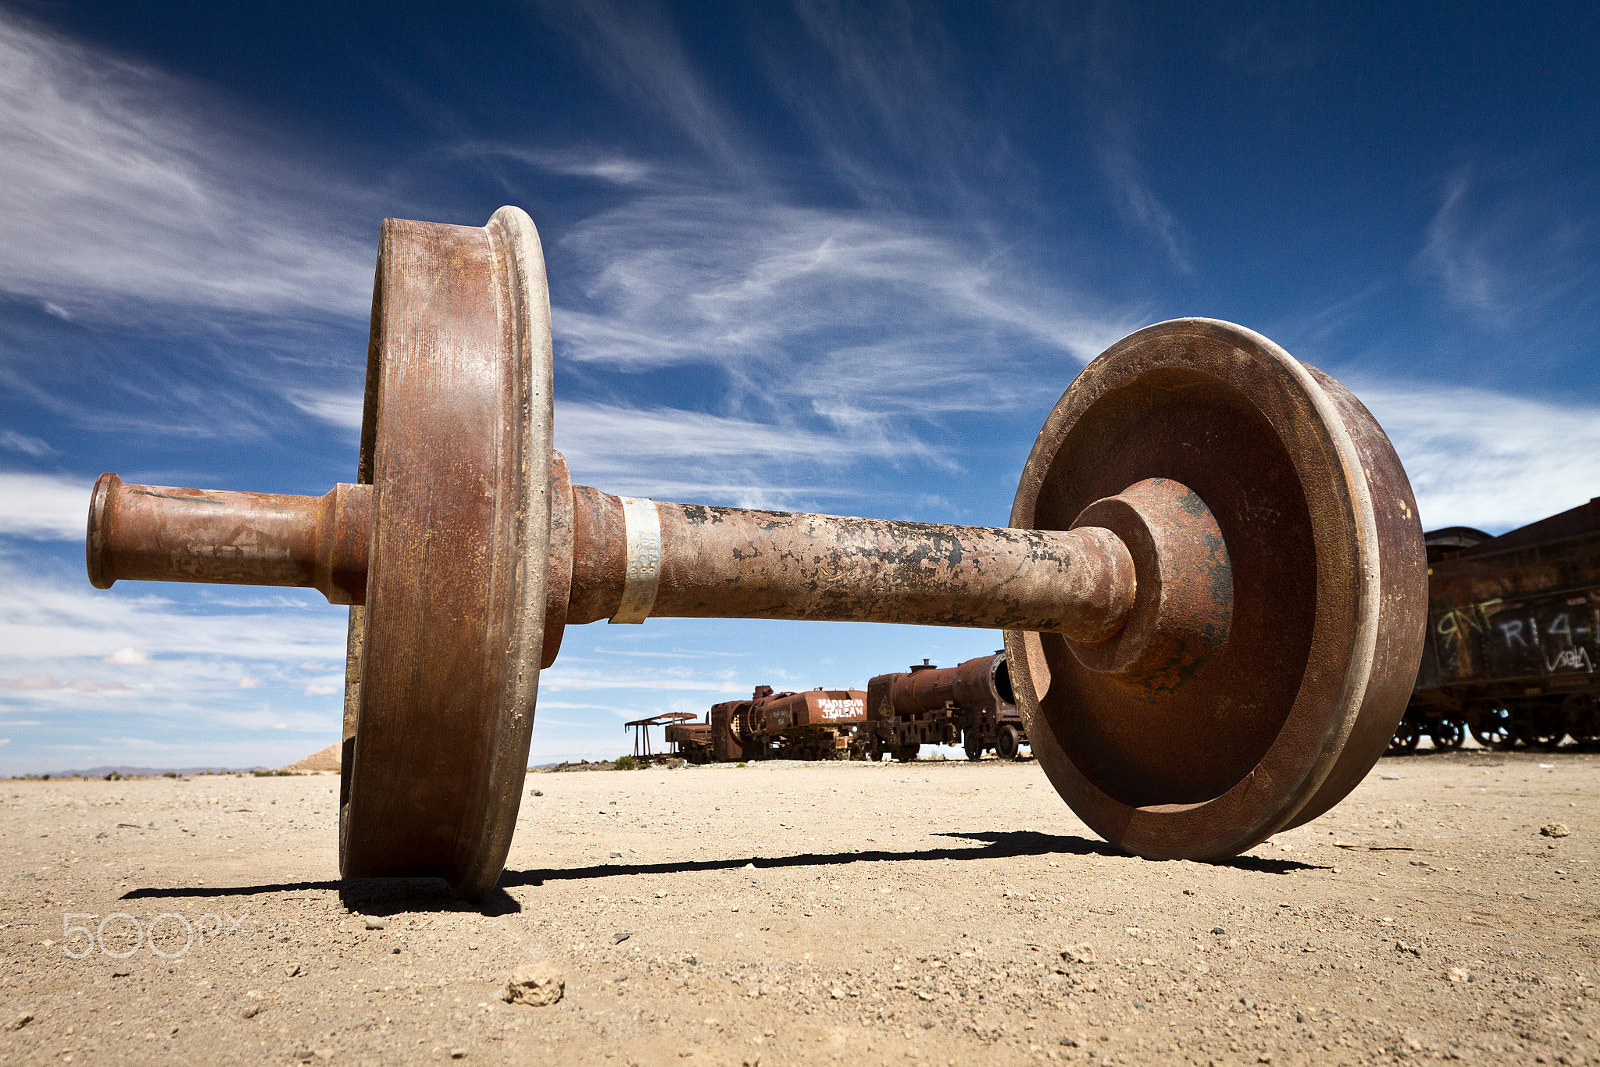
818, 724
970, 705
1513, 636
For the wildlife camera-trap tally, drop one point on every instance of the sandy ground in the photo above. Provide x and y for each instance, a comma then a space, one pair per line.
932, 913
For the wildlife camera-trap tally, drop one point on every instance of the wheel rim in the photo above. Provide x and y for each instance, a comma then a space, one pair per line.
1231, 765
456, 442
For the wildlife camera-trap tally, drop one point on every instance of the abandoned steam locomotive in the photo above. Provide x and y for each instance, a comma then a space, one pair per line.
970, 705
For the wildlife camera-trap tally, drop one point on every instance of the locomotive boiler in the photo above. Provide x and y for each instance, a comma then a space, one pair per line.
970, 704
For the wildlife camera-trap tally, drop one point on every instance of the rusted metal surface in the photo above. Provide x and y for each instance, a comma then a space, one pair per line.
1184, 601
715, 562
968, 705
642, 750
815, 724
690, 739
461, 541
733, 563
1513, 646
1325, 622
159, 533
982, 680
779, 712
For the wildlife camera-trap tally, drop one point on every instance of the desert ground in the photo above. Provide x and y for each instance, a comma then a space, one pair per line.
781, 913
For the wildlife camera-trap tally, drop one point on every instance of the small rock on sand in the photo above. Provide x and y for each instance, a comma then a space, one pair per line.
1554, 829
537, 984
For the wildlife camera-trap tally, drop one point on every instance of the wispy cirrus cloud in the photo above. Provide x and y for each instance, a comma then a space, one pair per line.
1098, 48
893, 119
697, 277
180, 677
633, 46
669, 453
589, 163
123, 187
1460, 260
53, 627
12, 441
1505, 249
1136, 200
571, 678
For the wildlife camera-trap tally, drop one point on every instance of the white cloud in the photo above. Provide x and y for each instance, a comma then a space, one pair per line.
121, 186
1515, 251
13, 441
318, 689
613, 168
1486, 459
742, 283
46, 507
128, 657
247, 682
44, 624
1138, 203
561, 677
44, 683
666, 453
342, 409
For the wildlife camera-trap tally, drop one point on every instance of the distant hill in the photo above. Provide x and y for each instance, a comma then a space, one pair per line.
324, 759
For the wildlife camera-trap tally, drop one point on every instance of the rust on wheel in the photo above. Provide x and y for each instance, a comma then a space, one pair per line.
446, 652
1250, 690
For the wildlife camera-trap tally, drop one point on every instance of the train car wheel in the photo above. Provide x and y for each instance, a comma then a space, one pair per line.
1490, 726
906, 753
1406, 736
973, 745
1448, 734
1541, 725
1006, 742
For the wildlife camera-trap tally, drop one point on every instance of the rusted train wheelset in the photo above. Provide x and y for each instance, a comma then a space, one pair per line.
1212, 587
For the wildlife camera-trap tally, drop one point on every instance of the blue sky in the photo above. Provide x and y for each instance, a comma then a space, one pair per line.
830, 257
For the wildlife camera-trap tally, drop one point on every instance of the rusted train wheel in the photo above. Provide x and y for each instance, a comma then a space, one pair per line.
1407, 736
456, 441
1448, 734
1274, 679
1490, 725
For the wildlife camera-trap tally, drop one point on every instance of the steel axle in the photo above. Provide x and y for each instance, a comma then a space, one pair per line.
688, 561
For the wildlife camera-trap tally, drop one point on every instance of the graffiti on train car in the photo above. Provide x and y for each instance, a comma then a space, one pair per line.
1513, 637
833, 709
1553, 634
